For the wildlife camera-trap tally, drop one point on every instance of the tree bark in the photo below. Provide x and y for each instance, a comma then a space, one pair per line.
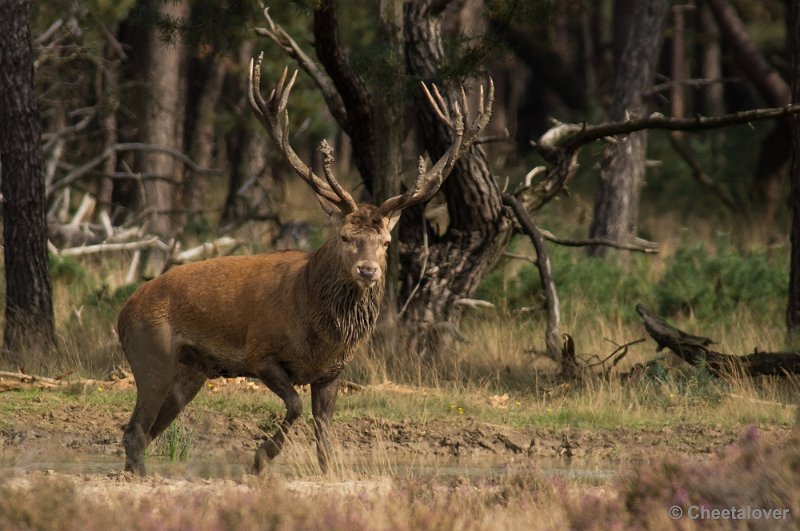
617, 201
478, 231
793, 307
203, 141
29, 306
360, 120
108, 120
162, 120
389, 110
711, 62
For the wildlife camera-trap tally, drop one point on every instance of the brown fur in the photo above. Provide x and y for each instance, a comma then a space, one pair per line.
287, 317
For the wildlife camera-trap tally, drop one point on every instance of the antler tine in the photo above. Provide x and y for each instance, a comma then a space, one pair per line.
274, 116
286, 91
440, 110
327, 168
484, 114
253, 91
428, 182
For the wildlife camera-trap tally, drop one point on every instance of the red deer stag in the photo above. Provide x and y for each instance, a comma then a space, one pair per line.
287, 317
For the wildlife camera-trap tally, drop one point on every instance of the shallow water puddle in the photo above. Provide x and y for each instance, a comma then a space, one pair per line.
572, 471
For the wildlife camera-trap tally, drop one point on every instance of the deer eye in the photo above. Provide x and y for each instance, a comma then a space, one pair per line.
345, 239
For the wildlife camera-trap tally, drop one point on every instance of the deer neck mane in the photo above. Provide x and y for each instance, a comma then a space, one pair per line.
343, 312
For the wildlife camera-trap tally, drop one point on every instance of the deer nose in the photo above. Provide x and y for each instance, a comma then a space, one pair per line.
367, 272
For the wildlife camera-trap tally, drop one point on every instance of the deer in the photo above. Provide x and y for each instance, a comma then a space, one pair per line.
288, 318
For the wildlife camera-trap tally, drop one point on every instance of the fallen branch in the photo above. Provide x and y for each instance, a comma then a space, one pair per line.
111, 247
221, 246
695, 350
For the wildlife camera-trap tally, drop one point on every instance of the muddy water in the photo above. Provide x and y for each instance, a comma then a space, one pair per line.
573, 471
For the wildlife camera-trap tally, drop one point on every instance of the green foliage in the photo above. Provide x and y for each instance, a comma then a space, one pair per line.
104, 298
696, 280
68, 270
714, 284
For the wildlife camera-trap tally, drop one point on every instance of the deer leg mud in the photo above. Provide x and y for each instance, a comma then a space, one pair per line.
275, 377
323, 400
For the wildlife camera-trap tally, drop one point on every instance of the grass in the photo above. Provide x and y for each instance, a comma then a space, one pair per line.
175, 443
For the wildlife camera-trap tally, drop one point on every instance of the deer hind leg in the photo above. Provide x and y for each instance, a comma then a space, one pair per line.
278, 381
149, 397
154, 370
187, 383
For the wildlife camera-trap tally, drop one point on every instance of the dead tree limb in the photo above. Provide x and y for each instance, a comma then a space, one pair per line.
278, 35
695, 351
700, 176
561, 143
643, 246
545, 273
91, 164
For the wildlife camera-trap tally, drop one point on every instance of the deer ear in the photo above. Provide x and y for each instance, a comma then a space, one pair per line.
393, 218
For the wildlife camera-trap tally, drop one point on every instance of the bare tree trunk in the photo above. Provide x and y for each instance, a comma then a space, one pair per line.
162, 120
680, 67
711, 63
623, 21
108, 119
793, 307
203, 141
617, 202
775, 149
478, 231
29, 305
389, 110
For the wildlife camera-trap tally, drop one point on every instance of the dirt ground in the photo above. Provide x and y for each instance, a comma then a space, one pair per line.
76, 432
84, 444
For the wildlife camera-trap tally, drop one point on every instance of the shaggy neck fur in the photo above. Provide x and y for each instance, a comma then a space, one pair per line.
344, 313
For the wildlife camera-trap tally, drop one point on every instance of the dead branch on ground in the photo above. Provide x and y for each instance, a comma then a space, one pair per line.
696, 351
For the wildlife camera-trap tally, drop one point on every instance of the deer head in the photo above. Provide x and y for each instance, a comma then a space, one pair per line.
364, 230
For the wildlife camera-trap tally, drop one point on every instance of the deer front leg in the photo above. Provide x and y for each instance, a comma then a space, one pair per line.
323, 399
275, 377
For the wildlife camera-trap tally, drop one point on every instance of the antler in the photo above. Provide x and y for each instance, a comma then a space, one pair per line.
274, 116
429, 181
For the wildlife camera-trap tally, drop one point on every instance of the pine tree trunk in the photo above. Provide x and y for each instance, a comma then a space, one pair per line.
162, 120
29, 306
477, 233
108, 120
711, 63
389, 108
617, 202
793, 308
203, 142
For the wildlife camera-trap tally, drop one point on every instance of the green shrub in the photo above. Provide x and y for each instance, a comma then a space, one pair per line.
713, 285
